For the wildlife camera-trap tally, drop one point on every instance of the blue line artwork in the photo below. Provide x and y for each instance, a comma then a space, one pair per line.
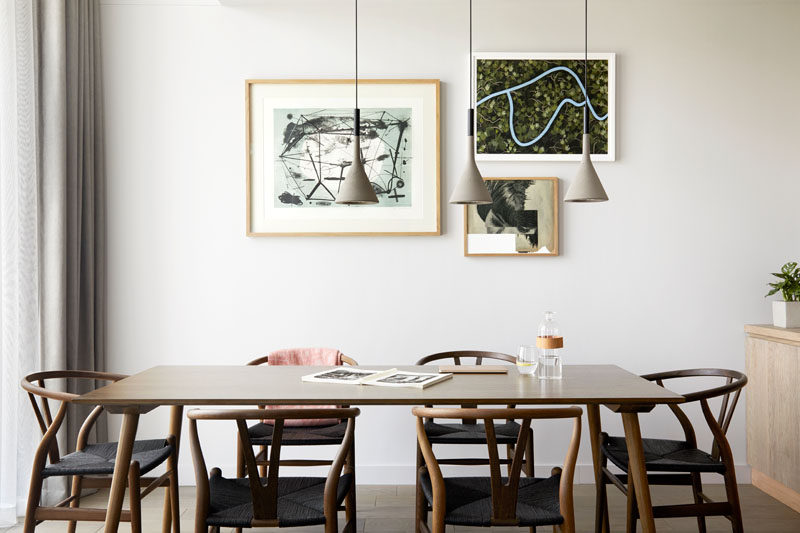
586, 101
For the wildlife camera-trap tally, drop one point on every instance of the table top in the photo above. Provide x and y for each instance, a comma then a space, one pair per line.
251, 385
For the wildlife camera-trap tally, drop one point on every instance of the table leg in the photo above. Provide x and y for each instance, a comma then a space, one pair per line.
601, 506
637, 473
119, 480
175, 421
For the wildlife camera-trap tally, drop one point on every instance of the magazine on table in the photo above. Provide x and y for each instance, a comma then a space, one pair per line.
383, 378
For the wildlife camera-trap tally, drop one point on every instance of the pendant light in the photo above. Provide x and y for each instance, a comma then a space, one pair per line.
471, 189
586, 187
356, 188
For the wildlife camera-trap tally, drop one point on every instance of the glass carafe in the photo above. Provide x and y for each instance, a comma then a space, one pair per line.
549, 342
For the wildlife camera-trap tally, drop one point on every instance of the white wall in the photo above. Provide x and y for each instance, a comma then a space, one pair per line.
703, 197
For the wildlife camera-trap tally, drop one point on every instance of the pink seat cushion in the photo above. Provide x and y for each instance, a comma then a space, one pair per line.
305, 357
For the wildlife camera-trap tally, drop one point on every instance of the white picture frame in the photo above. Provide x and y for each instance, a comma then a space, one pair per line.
478, 97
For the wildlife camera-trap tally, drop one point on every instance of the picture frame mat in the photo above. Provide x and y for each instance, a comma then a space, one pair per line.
421, 220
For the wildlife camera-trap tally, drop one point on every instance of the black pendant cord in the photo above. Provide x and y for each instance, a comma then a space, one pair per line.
471, 112
586, 65
357, 112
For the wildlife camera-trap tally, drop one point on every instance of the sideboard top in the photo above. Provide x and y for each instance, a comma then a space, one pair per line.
775, 333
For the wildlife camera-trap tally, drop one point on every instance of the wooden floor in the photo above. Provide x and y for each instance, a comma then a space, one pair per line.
390, 509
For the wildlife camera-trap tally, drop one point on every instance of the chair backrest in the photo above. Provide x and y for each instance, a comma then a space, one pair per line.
265, 496
265, 359
728, 392
458, 355
41, 397
504, 494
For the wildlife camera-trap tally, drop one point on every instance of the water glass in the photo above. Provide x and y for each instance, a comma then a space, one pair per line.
549, 366
526, 360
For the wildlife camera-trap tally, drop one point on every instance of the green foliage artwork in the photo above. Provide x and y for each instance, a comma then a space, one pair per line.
531, 107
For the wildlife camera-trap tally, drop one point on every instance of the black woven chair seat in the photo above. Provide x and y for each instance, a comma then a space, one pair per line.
470, 433
300, 501
261, 435
662, 455
98, 459
469, 500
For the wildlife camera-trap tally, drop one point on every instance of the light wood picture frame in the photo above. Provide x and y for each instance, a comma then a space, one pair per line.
521, 221
298, 135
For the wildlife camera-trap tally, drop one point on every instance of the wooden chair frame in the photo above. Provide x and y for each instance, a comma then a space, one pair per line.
703, 505
504, 495
265, 497
69, 508
479, 357
262, 458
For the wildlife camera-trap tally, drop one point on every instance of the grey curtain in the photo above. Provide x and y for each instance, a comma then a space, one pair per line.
51, 144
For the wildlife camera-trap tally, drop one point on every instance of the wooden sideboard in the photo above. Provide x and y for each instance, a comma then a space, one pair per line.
773, 411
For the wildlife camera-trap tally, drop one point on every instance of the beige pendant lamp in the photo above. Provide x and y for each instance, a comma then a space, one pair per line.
471, 189
586, 187
356, 188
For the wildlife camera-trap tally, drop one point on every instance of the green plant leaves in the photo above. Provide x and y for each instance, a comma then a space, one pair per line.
789, 286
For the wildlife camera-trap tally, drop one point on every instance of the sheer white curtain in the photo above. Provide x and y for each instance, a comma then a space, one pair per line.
19, 251
52, 218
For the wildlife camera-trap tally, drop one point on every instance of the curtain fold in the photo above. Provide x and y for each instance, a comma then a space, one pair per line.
52, 217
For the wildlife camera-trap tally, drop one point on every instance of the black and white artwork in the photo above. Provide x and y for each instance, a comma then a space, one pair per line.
406, 379
522, 218
313, 152
343, 374
300, 149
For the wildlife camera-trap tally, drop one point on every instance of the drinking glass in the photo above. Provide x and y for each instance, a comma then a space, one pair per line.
527, 360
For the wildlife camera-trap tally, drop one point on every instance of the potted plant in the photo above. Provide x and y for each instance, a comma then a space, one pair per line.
786, 314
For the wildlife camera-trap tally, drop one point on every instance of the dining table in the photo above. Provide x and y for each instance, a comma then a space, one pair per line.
592, 386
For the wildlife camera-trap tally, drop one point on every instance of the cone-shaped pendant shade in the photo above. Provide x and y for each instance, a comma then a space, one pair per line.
586, 186
471, 189
356, 187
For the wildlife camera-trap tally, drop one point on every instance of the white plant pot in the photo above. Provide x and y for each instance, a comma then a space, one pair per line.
786, 314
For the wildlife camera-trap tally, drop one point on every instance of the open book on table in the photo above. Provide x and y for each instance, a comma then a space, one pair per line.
384, 378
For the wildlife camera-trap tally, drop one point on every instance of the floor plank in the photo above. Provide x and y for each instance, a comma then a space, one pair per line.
390, 509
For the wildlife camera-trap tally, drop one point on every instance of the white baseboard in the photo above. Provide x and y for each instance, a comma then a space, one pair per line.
404, 474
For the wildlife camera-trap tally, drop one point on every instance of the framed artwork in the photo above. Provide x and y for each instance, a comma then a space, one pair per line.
299, 135
521, 220
529, 107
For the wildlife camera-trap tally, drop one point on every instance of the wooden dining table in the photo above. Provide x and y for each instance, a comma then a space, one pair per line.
180, 386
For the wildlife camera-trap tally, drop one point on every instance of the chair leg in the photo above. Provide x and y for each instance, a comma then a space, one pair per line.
697, 489
351, 516
239, 468
350, 505
529, 462
332, 522
174, 501
239, 458
134, 493
34, 496
601, 521
262, 469
601, 505
421, 505
631, 511
733, 499
76, 493
437, 518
